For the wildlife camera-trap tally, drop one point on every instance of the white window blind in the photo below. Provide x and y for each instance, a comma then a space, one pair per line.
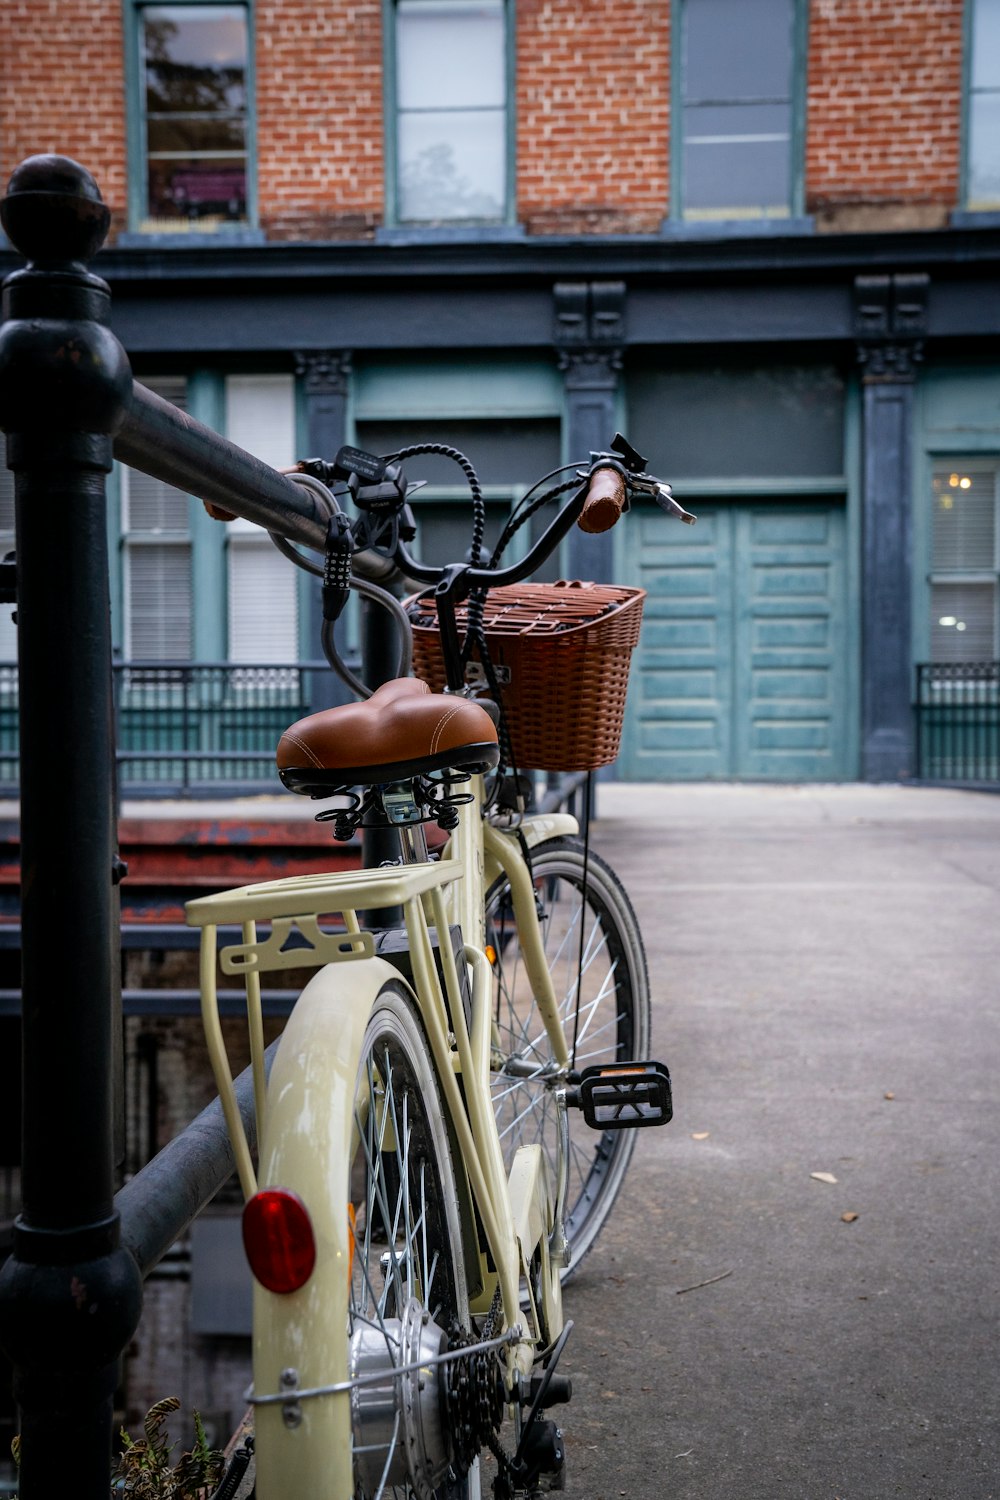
263, 585
159, 602
964, 563
157, 562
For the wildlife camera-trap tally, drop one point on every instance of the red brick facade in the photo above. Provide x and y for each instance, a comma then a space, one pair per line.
884, 105
592, 99
319, 118
62, 88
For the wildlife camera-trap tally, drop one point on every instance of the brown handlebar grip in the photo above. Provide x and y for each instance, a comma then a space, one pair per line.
217, 513
605, 501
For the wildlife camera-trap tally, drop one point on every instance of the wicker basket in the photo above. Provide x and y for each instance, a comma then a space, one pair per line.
565, 649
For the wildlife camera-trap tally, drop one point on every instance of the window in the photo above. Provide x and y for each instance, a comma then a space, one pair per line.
193, 117
964, 566
734, 109
982, 151
262, 584
452, 158
157, 558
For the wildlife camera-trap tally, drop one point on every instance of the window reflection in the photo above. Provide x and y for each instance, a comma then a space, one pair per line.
195, 98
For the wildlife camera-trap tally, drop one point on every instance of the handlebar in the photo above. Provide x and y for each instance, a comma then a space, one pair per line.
171, 445
463, 579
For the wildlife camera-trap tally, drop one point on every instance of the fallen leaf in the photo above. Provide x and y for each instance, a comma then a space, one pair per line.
888, 1096
823, 1177
700, 1135
849, 1218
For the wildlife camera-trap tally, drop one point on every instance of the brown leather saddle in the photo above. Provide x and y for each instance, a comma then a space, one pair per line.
403, 730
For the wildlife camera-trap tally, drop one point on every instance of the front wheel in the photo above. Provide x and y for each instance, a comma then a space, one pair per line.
595, 956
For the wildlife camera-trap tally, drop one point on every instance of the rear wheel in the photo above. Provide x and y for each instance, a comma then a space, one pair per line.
605, 1017
414, 1436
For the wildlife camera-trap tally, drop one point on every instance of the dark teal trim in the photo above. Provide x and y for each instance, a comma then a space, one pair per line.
800, 67
136, 139
852, 471
206, 396
963, 141
389, 141
675, 143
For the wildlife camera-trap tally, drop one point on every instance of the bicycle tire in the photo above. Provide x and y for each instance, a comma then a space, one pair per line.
613, 1025
407, 1229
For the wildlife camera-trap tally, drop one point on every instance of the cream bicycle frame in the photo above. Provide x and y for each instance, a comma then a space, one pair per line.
306, 1113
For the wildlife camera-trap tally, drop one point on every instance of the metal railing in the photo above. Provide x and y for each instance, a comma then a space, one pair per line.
189, 727
958, 721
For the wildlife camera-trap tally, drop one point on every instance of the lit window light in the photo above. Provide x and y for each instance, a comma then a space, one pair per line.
960, 625
947, 620
953, 481
965, 483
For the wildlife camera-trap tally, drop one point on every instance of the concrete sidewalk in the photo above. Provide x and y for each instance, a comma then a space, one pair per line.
825, 965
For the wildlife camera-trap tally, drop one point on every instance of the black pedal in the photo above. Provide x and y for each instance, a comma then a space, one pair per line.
624, 1096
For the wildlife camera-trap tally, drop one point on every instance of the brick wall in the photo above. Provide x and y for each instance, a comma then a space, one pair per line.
592, 115
884, 112
62, 88
319, 118
592, 102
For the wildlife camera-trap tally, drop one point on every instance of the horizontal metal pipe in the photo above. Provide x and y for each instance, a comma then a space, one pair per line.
171, 445
159, 1202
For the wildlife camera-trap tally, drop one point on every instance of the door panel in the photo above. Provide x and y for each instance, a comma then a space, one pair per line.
741, 670
679, 724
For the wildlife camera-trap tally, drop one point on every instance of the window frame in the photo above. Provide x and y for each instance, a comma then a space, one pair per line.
390, 155
796, 145
138, 186
965, 207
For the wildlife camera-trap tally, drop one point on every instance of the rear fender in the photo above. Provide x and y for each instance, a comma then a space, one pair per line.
307, 1149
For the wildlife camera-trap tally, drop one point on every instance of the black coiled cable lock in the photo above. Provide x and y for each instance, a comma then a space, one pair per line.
337, 566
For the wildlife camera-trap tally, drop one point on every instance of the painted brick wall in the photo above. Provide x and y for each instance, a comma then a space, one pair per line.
62, 88
319, 118
884, 112
592, 114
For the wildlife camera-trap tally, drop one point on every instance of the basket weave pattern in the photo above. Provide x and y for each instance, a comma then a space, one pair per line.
567, 648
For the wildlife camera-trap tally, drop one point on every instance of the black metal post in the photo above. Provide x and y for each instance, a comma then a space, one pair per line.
325, 375
379, 661
70, 1294
890, 319
589, 336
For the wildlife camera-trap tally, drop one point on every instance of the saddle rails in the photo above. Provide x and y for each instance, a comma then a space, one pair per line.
307, 1386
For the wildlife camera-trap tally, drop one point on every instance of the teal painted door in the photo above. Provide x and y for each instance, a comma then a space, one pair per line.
742, 669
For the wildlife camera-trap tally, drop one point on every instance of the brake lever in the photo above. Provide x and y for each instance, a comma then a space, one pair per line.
648, 484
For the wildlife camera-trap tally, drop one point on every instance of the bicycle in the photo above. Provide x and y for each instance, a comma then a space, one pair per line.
421, 1192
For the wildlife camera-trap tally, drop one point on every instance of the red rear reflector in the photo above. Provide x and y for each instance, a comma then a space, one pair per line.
278, 1239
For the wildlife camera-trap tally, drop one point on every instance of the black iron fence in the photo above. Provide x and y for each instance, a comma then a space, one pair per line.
188, 727
958, 721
